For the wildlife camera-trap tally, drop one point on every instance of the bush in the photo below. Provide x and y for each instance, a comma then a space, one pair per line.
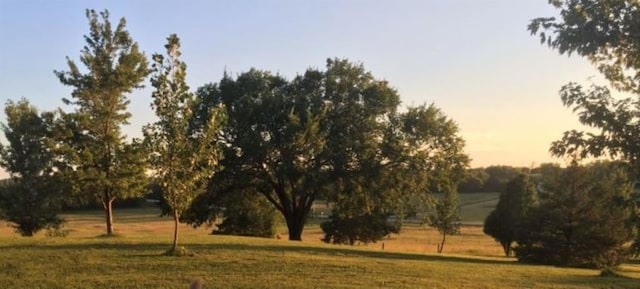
57, 230
367, 228
29, 210
247, 215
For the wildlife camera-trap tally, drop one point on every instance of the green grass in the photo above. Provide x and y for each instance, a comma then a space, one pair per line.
474, 208
135, 260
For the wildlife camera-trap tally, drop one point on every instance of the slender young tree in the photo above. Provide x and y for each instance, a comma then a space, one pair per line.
446, 219
183, 155
100, 162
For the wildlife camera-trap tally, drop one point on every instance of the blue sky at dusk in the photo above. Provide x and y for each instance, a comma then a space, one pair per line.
474, 58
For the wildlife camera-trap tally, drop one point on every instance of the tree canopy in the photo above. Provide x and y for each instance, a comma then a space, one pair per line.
333, 133
605, 32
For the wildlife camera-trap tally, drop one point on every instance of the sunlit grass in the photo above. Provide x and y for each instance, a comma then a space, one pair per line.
134, 260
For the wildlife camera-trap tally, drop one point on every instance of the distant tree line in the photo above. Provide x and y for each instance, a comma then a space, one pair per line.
489, 179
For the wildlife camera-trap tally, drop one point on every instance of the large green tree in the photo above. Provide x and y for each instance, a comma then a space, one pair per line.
504, 223
273, 141
334, 133
30, 199
98, 159
184, 156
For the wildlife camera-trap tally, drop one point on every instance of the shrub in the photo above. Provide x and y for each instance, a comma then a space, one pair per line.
365, 228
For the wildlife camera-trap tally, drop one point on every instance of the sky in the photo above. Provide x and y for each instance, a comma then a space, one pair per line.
474, 59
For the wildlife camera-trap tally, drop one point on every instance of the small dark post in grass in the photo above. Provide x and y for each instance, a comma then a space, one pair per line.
196, 284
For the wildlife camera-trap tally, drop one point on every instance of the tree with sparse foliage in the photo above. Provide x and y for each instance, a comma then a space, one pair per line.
605, 32
30, 199
582, 220
94, 155
505, 222
183, 155
446, 219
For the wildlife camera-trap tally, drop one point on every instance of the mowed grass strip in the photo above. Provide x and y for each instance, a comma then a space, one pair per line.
133, 260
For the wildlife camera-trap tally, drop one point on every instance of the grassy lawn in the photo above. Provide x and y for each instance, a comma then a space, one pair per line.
133, 260
475, 207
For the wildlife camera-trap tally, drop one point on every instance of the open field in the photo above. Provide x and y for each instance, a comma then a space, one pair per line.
133, 260
474, 207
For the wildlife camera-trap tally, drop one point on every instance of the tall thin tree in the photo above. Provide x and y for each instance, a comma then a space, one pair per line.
184, 153
100, 162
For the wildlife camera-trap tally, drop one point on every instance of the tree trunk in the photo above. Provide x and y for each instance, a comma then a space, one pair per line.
176, 220
507, 249
108, 214
295, 226
441, 245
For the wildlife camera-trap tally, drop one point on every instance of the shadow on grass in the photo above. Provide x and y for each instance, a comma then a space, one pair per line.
580, 281
156, 249
340, 251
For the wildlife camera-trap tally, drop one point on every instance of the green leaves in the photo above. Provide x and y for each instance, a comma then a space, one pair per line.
27, 154
30, 199
617, 125
96, 159
603, 31
583, 218
333, 134
606, 33
183, 149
